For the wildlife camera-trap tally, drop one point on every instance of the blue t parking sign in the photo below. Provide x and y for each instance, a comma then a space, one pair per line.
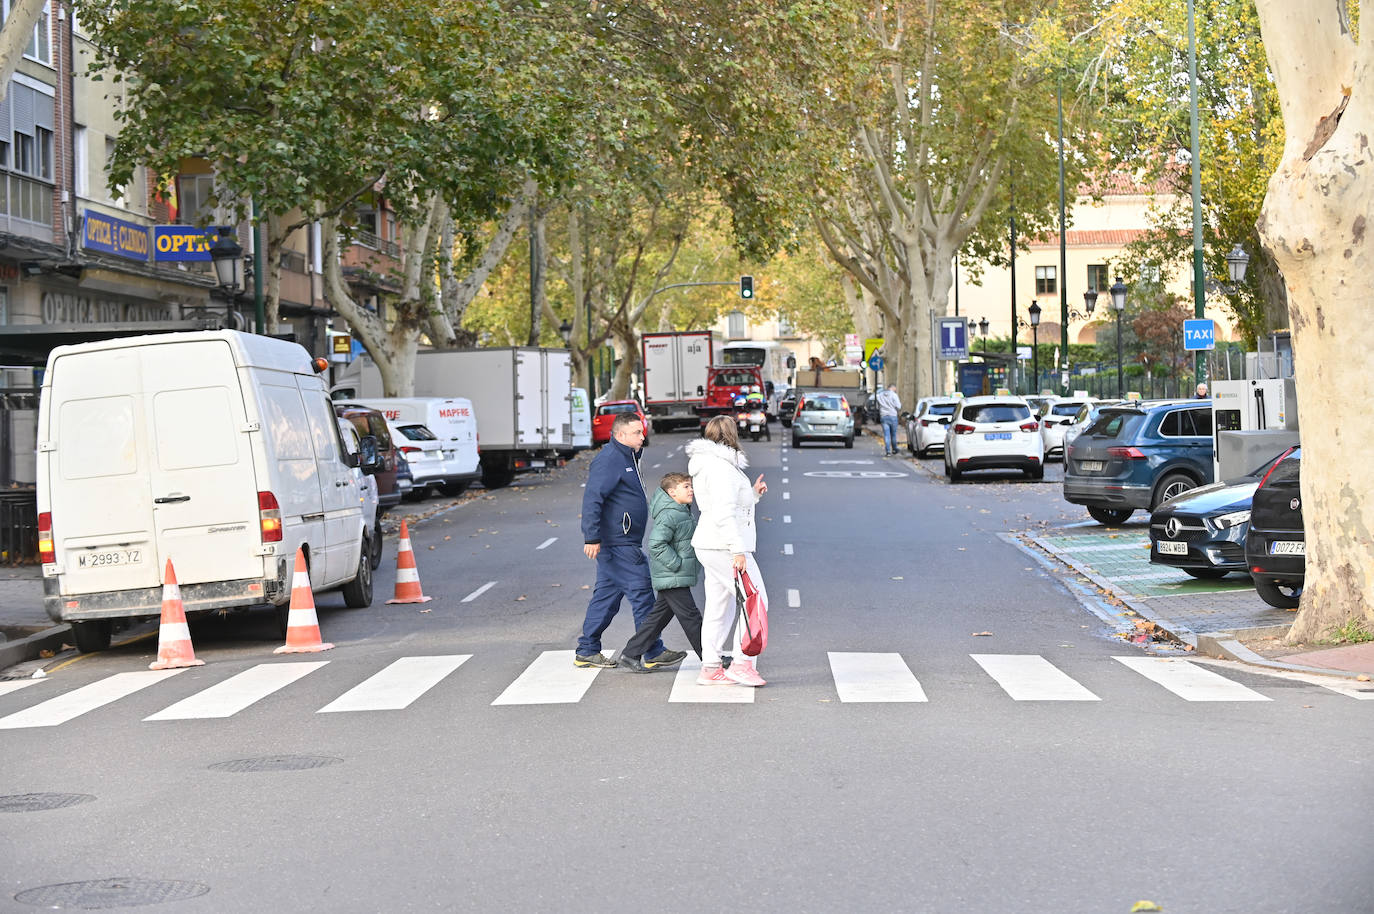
1199, 334
951, 338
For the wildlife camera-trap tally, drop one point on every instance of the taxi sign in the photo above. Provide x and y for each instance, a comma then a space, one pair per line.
1199, 335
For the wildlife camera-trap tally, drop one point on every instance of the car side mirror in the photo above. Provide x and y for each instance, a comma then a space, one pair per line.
369, 460
791, 361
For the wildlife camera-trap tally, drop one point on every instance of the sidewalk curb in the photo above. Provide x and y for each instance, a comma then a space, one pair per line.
1227, 646
25, 649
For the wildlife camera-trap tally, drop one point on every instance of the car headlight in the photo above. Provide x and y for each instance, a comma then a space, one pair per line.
1227, 521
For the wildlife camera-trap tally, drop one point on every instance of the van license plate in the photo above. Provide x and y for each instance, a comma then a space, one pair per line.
1288, 547
110, 557
1167, 547
536, 464
997, 436
1091, 466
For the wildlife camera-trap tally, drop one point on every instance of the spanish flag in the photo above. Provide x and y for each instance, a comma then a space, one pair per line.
166, 194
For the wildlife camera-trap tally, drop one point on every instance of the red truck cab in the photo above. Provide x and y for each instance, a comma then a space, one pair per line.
723, 384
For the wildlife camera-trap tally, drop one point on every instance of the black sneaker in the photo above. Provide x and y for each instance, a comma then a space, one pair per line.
633, 664
599, 661
667, 658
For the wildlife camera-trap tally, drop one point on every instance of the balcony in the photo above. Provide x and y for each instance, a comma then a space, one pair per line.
369, 240
26, 206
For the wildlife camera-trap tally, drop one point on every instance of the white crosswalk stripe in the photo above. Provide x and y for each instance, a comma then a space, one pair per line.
1030, 677
550, 680
1190, 682
72, 704
685, 688
227, 698
14, 685
874, 677
398, 685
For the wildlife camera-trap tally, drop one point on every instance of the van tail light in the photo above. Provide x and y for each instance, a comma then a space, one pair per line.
1263, 480
962, 429
1126, 453
269, 517
1030, 426
46, 553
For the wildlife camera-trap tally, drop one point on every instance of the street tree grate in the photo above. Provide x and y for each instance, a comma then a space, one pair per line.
115, 892
276, 763
36, 802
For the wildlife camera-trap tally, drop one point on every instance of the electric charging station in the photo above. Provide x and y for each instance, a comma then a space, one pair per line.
1251, 421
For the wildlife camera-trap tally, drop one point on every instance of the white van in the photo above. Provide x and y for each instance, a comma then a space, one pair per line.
452, 421
581, 420
216, 450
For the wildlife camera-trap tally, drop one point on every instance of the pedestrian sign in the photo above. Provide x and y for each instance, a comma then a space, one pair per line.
951, 338
1199, 334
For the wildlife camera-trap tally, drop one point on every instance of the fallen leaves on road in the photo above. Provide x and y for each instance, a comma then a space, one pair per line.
1145, 906
426, 610
1363, 677
519, 598
586, 587
899, 578
981, 635
447, 538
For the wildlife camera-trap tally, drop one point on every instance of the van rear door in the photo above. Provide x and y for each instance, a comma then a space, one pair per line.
453, 422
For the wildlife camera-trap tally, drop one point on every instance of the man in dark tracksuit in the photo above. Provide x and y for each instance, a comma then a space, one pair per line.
615, 516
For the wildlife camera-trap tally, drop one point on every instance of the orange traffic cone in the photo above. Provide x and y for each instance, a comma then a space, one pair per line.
407, 575
174, 637
302, 625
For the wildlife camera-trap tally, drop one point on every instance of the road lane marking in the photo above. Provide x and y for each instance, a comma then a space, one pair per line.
63, 708
784, 480
15, 685
550, 680
853, 474
787, 496
478, 592
1030, 677
873, 677
547, 543
794, 597
1348, 688
786, 548
787, 518
656, 466
1189, 682
837, 462
398, 685
685, 688
227, 698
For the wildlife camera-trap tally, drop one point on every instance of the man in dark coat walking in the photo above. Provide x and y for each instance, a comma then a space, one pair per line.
615, 517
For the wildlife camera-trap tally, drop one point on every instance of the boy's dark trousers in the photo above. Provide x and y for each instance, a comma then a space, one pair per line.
675, 601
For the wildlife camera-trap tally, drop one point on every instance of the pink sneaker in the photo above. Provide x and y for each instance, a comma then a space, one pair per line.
743, 673
712, 674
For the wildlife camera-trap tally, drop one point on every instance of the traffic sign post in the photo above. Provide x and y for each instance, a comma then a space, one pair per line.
1199, 335
949, 343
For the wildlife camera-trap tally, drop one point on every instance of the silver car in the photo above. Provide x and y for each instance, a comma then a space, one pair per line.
823, 417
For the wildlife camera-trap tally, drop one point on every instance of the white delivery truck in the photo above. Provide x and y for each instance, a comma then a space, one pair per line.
675, 366
453, 422
521, 397
216, 450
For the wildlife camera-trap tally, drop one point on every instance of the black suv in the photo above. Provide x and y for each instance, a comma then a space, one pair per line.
1275, 547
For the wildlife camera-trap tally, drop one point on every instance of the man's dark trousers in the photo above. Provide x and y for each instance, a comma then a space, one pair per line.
621, 572
675, 601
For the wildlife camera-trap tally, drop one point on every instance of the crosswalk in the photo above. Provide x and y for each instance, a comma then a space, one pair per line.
551, 679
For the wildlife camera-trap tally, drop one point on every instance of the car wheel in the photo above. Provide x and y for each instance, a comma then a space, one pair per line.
1207, 574
849, 442
1036, 473
452, 489
357, 593
92, 636
1172, 486
1281, 596
1111, 517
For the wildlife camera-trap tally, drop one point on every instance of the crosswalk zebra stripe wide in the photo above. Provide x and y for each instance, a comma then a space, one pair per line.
1190, 682
550, 680
398, 685
227, 698
1030, 677
72, 704
685, 688
873, 677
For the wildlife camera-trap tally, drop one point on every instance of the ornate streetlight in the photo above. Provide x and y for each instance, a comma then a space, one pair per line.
1035, 347
1118, 291
565, 331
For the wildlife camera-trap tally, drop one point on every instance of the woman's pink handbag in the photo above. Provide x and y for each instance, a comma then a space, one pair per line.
753, 615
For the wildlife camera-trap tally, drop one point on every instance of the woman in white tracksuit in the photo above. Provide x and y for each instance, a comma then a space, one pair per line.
724, 542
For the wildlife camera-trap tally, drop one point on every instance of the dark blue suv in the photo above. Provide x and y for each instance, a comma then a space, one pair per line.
1137, 455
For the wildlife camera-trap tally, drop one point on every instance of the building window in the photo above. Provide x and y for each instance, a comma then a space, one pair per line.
42, 141
40, 42
194, 193
1149, 272
1046, 281
785, 328
736, 326
81, 162
1097, 277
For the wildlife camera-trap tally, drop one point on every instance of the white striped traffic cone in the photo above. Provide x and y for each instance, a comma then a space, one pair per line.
407, 575
174, 636
302, 625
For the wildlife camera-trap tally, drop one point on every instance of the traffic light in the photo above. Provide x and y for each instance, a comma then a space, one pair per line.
746, 287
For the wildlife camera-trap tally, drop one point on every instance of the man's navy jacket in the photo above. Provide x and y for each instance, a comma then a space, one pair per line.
615, 511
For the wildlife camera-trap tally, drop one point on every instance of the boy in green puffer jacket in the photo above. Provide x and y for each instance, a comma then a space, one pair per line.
673, 568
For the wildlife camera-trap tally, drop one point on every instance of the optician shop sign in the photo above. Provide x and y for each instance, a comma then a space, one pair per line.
66, 308
138, 242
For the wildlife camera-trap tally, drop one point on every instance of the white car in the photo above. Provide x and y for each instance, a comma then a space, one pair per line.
1057, 419
994, 433
425, 454
925, 430
1086, 415
367, 489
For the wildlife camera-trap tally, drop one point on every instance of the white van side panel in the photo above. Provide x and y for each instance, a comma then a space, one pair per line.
529, 403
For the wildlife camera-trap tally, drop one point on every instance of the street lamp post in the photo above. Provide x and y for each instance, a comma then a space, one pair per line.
983, 332
565, 331
1035, 347
227, 256
1118, 291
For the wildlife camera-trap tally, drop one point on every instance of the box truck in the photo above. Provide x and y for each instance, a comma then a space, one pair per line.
674, 376
521, 397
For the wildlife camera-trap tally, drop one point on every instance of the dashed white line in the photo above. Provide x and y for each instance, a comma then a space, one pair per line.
787, 518
794, 598
784, 479
479, 591
547, 543
787, 496
786, 548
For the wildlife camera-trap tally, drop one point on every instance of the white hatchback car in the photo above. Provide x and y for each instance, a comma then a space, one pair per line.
1057, 419
994, 433
425, 454
926, 429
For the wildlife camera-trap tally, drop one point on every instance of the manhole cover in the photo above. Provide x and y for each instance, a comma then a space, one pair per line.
116, 892
34, 802
276, 763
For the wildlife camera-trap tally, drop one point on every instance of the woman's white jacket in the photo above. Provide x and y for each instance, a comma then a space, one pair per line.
724, 496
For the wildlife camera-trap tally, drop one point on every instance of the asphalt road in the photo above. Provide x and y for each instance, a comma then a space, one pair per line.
945, 729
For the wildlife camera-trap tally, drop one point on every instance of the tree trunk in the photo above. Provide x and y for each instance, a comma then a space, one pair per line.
15, 36
272, 263
1315, 221
457, 295
539, 267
